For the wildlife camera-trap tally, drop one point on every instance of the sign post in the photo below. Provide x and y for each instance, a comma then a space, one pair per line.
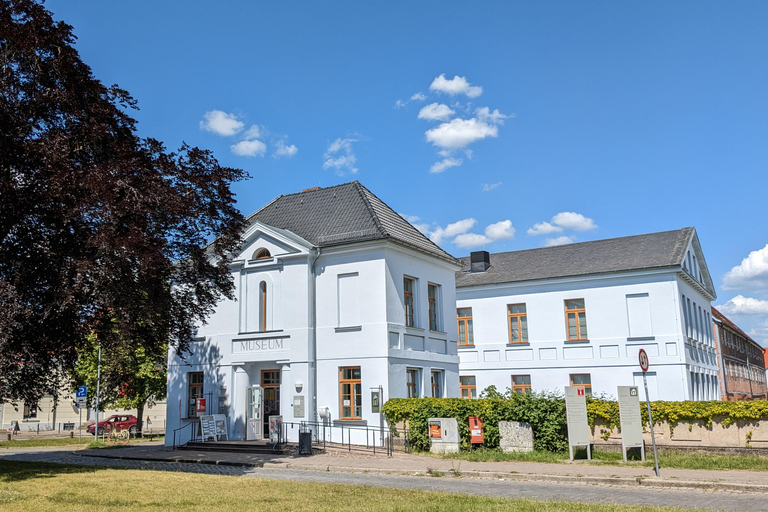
631, 420
80, 398
576, 416
643, 358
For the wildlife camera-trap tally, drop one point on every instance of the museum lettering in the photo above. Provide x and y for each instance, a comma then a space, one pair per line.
260, 345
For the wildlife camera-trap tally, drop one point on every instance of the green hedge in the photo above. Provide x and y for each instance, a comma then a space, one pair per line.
546, 414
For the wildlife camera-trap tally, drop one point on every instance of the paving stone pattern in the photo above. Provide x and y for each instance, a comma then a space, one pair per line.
536, 490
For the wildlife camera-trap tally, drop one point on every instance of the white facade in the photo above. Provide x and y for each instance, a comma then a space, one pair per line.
329, 308
666, 312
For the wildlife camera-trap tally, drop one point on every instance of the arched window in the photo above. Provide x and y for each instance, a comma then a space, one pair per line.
261, 254
263, 305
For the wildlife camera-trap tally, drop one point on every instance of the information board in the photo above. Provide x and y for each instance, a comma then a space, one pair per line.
576, 416
213, 427
298, 406
631, 421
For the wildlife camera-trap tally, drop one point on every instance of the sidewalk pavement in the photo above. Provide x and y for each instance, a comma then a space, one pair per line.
339, 460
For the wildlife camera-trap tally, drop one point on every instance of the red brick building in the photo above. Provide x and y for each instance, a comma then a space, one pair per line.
742, 361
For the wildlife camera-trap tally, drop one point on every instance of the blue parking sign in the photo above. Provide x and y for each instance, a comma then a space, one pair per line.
82, 391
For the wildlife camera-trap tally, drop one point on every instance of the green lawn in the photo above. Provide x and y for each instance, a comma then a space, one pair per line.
28, 486
66, 441
667, 459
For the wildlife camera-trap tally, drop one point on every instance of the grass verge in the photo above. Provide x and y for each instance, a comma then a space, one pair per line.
66, 441
667, 459
29, 486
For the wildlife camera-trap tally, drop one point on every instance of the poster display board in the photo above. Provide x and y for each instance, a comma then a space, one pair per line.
275, 429
213, 427
576, 416
631, 421
435, 430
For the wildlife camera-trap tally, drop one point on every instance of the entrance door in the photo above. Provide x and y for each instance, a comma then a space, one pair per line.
253, 423
270, 383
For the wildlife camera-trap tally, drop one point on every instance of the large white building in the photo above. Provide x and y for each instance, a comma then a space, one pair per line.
337, 295
546, 318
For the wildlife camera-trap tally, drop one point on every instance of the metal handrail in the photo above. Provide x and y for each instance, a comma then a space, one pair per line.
323, 433
191, 437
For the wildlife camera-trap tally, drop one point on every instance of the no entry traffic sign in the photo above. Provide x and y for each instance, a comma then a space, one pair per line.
643, 357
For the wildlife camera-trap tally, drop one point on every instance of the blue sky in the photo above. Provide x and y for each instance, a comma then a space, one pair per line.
591, 120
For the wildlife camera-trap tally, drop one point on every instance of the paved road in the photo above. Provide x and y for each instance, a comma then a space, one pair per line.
587, 493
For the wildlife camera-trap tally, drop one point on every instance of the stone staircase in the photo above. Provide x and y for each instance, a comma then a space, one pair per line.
249, 447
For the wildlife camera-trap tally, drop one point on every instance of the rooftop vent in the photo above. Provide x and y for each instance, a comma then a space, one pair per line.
310, 189
480, 260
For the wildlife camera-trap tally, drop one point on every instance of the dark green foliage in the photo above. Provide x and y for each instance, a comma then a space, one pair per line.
101, 231
546, 414
544, 411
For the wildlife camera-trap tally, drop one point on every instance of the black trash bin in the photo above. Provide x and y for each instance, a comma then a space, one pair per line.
305, 443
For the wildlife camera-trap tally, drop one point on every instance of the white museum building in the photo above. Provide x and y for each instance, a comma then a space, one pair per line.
578, 314
337, 297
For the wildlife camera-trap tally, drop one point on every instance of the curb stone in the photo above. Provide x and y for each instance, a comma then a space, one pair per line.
598, 480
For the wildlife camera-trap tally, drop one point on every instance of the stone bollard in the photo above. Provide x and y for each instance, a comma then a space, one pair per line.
71, 434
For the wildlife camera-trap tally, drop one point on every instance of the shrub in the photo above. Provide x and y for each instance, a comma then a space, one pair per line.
546, 414
544, 411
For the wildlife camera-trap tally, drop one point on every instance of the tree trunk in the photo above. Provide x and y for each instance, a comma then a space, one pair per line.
139, 418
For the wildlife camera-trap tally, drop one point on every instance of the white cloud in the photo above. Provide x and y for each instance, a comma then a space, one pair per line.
419, 96
284, 150
454, 86
221, 123
760, 333
400, 103
487, 187
751, 274
471, 240
459, 133
249, 148
451, 230
484, 114
502, 230
254, 132
410, 218
563, 220
561, 240
447, 163
343, 163
740, 305
574, 221
544, 228
436, 112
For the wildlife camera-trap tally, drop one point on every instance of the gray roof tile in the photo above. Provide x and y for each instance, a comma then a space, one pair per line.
654, 250
343, 214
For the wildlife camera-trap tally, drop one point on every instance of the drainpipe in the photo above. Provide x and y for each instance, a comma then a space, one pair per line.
313, 334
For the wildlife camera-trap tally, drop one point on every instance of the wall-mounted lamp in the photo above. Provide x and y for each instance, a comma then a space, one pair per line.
299, 386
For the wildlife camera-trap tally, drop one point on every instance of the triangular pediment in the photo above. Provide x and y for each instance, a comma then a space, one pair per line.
277, 242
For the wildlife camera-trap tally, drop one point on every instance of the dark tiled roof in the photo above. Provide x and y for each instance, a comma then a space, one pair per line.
343, 214
719, 316
654, 250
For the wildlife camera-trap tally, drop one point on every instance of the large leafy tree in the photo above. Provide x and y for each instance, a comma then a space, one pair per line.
129, 380
102, 232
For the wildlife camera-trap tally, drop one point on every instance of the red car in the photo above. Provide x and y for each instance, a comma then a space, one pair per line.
116, 422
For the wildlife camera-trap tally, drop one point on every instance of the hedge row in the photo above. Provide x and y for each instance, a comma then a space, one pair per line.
546, 414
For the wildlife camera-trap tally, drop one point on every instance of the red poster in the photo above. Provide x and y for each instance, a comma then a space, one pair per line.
201, 405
